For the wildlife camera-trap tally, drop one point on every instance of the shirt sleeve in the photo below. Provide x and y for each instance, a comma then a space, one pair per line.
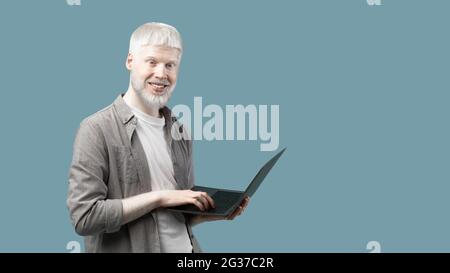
90, 210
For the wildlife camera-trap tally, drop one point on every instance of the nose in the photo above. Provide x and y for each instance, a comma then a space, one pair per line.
160, 71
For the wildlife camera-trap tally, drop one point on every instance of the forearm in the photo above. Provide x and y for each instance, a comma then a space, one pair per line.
139, 205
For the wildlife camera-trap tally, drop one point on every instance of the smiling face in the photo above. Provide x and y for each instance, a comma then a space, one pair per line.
153, 74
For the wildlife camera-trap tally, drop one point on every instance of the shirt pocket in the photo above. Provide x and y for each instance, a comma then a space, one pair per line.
125, 165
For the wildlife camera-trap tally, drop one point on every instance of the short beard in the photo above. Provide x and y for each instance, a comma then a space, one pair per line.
148, 99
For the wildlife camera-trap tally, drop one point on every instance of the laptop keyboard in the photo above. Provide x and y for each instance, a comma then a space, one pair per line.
225, 199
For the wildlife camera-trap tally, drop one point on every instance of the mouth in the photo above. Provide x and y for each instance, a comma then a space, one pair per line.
158, 87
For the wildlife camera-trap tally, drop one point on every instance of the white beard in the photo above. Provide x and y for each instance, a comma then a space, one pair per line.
147, 98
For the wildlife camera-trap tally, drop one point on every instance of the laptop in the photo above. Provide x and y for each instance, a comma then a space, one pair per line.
227, 201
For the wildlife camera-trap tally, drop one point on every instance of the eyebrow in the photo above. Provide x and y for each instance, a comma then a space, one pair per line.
154, 58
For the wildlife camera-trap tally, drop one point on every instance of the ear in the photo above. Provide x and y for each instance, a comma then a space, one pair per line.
129, 61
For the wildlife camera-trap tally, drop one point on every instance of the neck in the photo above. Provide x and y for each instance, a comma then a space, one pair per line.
132, 99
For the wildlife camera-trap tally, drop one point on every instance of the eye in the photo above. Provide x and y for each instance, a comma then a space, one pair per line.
170, 65
152, 62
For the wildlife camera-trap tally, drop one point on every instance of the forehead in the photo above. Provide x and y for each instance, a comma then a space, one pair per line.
159, 52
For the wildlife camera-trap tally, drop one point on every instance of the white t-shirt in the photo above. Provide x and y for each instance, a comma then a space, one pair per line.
171, 225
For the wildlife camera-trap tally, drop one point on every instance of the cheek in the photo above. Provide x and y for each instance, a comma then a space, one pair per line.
173, 77
139, 76
144, 78
143, 72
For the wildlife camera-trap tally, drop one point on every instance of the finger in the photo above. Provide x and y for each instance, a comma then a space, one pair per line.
198, 204
245, 202
239, 211
231, 216
202, 198
210, 200
235, 213
196, 195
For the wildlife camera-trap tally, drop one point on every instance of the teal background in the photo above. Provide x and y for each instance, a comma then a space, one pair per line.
363, 94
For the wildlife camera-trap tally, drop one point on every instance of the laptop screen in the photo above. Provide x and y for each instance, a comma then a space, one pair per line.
251, 189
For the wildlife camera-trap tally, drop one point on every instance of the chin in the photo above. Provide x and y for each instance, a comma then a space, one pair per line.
159, 100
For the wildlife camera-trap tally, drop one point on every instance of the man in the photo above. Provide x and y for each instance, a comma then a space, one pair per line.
132, 160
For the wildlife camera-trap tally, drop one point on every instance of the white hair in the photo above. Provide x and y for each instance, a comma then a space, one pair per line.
155, 34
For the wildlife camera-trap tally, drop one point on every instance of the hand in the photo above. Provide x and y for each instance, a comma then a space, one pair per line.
240, 209
171, 198
198, 219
